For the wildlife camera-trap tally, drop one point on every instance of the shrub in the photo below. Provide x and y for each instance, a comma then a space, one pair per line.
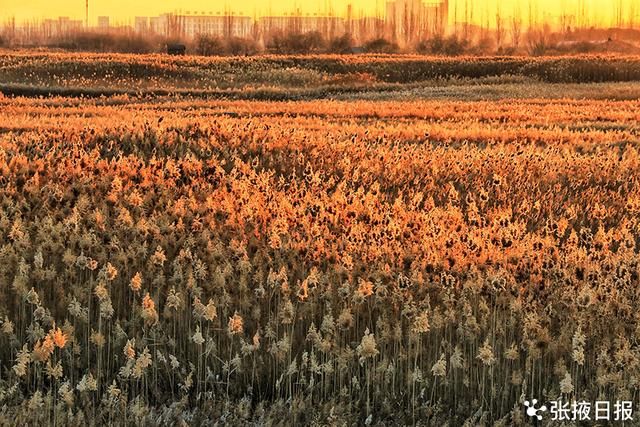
342, 44
539, 44
134, 44
299, 43
238, 46
485, 46
538, 48
585, 47
381, 45
102, 42
438, 45
206, 45
507, 50
434, 45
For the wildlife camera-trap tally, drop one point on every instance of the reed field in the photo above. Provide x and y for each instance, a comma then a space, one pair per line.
316, 241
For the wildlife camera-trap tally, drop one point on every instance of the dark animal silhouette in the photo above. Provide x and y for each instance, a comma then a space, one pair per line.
176, 49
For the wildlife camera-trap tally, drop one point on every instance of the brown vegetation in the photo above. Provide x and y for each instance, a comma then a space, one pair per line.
176, 260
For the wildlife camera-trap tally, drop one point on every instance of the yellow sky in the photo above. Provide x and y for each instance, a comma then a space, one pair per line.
596, 11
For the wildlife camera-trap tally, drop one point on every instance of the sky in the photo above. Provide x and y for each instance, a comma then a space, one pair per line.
599, 12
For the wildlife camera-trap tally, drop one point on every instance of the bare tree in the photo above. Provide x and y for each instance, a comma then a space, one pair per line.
565, 23
174, 26
9, 31
228, 25
499, 26
405, 23
467, 20
516, 29
582, 14
443, 18
364, 32
455, 18
620, 14
256, 33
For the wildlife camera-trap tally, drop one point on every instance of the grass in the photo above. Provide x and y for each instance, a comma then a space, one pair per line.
354, 251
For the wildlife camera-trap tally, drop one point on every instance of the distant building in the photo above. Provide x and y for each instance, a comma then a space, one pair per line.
296, 23
192, 25
158, 25
405, 22
141, 24
103, 22
61, 27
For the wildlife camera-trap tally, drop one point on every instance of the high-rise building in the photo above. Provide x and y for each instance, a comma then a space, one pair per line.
191, 25
330, 26
103, 22
158, 25
60, 27
141, 24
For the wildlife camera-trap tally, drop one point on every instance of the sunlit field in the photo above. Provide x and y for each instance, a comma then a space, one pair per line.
332, 242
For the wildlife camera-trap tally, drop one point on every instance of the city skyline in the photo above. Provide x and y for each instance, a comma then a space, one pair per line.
589, 12
404, 21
